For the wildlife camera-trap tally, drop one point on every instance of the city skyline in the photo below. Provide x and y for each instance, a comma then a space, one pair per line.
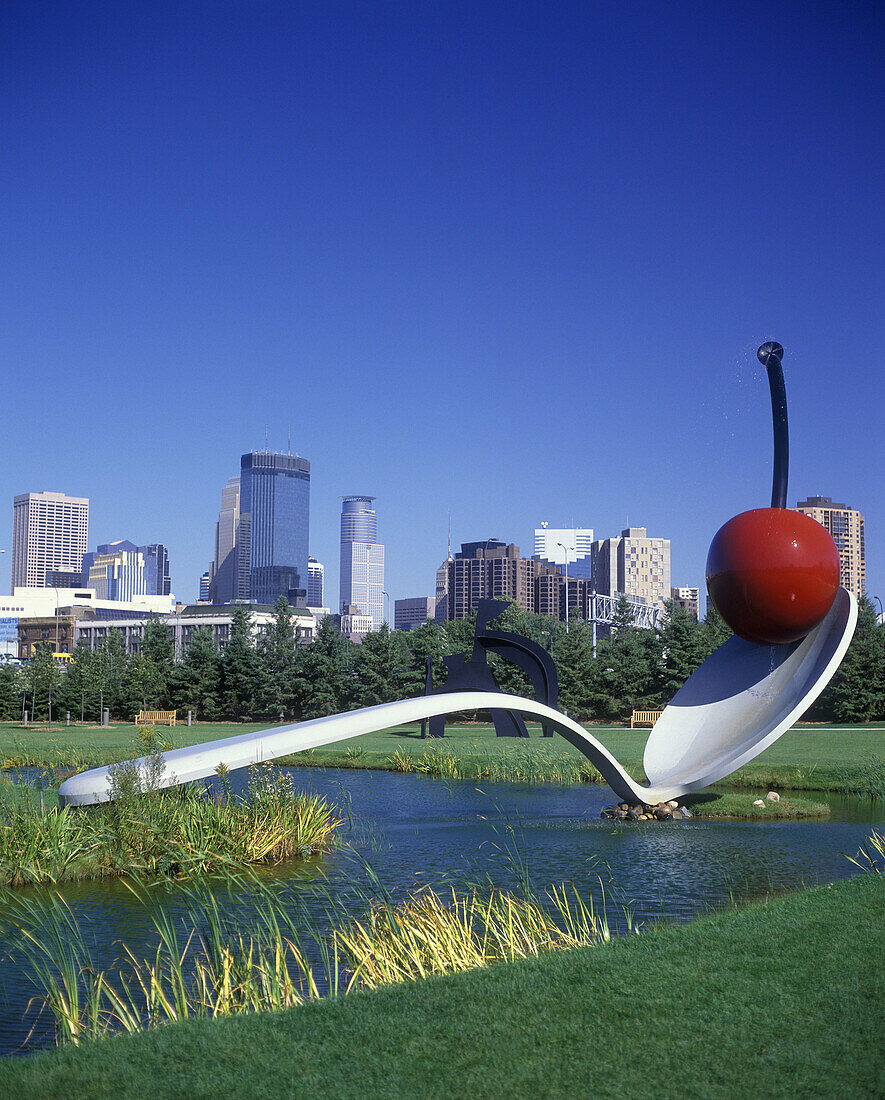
452, 251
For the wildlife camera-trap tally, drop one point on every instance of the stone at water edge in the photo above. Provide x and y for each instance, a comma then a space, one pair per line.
674, 805
773, 796
759, 802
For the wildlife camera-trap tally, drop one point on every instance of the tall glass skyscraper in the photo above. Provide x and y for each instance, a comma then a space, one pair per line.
223, 580
362, 559
274, 524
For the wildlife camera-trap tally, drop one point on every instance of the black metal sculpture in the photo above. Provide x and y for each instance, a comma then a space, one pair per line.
473, 673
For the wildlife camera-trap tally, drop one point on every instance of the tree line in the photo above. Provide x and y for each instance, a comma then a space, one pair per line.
274, 676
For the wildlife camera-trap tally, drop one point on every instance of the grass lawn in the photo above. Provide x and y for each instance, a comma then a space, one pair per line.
782, 999
836, 758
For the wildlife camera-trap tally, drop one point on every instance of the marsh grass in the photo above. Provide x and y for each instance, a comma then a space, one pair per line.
148, 831
871, 854
216, 961
518, 764
429, 933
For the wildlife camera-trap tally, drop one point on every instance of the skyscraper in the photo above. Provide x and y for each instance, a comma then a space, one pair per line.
315, 583
846, 525
273, 528
121, 570
362, 559
50, 532
223, 580
551, 544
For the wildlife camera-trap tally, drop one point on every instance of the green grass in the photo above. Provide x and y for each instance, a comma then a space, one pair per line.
847, 759
725, 803
782, 999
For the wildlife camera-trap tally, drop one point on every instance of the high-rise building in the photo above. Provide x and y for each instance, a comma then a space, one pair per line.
315, 583
633, 564
561, 545
121, 570
441, 612
362, 559
689, 599
487, 570
273, 528
205, 580
411, 613
223, 580
846, 525
50, 532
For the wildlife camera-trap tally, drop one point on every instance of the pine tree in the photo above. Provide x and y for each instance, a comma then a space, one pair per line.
323, 675
682, 645
857, 691
196, 680
241, 671
377, 662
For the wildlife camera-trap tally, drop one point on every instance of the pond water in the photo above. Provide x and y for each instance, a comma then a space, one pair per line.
411, 830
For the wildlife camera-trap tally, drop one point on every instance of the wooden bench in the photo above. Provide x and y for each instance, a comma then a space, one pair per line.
155, 718
644, 717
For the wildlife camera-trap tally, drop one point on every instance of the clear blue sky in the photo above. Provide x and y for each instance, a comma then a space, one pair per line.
510, 260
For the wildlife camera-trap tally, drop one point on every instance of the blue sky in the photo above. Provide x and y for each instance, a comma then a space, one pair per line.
506, 260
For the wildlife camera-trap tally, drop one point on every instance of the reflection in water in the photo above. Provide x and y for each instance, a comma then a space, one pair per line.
410, 830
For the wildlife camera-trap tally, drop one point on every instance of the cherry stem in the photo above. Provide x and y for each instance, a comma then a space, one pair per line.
770, 356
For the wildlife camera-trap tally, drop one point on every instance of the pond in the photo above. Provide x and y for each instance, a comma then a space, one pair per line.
411, 830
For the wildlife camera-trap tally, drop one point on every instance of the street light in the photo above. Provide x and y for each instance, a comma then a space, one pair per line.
881, 613
384, 592
567, 550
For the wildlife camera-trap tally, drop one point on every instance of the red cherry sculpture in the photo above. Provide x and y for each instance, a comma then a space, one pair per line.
772, 573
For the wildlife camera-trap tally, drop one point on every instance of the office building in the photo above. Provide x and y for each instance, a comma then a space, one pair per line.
315, 583
362, 561
183, 625
223, 579
273, 528
205, 581
50, 532
121, 570
634, 564
846, 525
414, 612
441, 612
689, 599
566, 545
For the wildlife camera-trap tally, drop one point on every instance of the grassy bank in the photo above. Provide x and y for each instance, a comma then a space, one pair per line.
846, 759
782, 999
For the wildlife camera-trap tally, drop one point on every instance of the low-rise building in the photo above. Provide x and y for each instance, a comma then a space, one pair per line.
413, 612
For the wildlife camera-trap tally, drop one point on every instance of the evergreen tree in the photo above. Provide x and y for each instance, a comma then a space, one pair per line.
573, 652
10, 698
158, 653
323, 676
377, 662
196, 680
425, 641
857, 690
279, 658
683, 646
241, 670
625, 669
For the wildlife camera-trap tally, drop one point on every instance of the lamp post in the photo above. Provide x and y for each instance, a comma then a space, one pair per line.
881, 613
566, 549
384, 592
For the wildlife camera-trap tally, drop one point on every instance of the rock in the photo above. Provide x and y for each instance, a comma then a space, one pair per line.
632, 815
673, 805
773, 796
684, 810
662, 813
624, 806
759, 802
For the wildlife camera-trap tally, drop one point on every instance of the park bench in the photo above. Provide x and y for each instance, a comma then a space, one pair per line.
155, 718
644, 717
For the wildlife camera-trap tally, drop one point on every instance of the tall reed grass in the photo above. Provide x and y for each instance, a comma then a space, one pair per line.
516, 765
213, 963
146, 831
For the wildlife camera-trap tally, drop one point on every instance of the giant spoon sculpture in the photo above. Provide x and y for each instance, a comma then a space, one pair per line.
773, 575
